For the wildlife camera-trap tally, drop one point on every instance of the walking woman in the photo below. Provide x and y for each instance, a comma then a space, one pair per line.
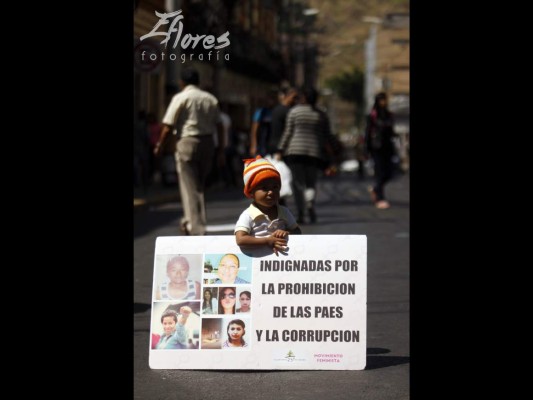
378, 138
304, 145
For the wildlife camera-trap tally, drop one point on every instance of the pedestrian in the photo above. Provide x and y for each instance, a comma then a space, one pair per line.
262, 126
195, 114
287, 99
361, 156
154, 130
379, 144
264, 222
305, 146
228, 172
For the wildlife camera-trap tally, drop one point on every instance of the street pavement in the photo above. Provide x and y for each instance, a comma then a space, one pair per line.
343, 207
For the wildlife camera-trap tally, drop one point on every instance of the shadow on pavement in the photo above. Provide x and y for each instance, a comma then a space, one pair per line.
375, 362
145, 221
140, 307
376, 350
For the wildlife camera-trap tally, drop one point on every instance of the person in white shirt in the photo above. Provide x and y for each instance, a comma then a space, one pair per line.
195, 114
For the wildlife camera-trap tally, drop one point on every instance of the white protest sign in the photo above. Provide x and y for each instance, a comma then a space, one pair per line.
251, 309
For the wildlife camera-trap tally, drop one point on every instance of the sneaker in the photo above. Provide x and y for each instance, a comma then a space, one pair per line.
382, 204
184, 229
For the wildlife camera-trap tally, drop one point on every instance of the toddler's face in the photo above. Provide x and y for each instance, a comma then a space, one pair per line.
266, 193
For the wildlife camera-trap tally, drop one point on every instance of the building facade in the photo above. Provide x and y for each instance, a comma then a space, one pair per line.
240, 75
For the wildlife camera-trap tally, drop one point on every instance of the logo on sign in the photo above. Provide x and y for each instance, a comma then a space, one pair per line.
287, 357
290, 356
175, 27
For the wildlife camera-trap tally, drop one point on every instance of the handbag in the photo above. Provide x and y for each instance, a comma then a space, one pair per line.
285, 174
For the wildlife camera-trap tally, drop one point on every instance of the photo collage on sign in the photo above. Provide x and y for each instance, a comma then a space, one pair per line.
202, 301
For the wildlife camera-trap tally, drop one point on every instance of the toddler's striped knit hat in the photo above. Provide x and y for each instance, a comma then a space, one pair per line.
256, 170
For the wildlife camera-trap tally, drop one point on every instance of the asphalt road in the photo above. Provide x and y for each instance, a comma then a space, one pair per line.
343, 207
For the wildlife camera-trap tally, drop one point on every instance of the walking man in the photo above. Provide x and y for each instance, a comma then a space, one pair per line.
194, 113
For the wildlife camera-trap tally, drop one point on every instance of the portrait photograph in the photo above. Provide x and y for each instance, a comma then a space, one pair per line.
178, 277
175, 326
235, 333
244, 299
210, 300
229, 268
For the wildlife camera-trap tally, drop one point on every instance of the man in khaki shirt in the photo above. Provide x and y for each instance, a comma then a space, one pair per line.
194, 113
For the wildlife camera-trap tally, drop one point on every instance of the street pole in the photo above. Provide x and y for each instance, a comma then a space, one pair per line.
310, 15
171, 67
290, 43
370, 67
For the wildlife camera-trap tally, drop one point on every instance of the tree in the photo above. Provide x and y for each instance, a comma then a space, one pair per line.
348, 85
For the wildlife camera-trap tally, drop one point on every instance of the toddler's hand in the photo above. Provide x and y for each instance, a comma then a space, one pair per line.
277, 244
281, 234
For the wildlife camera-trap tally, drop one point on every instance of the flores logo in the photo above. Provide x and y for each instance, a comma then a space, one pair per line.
208, 41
